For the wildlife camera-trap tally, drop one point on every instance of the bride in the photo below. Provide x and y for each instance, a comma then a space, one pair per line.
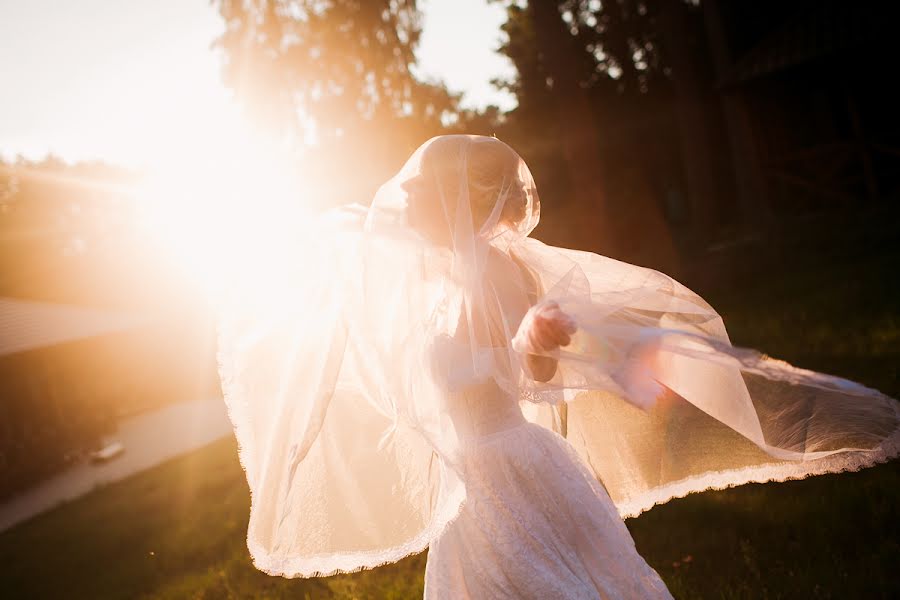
425, 375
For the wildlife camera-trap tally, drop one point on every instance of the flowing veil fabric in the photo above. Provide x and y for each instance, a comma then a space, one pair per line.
336, 375
700, 413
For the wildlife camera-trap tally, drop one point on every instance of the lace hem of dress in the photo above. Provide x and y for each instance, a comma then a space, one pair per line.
720, 480
350, 562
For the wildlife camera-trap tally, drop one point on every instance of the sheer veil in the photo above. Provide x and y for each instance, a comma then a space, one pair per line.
337, 376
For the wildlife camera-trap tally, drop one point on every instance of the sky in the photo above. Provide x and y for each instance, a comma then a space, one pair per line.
106, 79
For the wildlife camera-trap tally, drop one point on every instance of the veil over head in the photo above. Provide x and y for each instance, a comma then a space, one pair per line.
337, 376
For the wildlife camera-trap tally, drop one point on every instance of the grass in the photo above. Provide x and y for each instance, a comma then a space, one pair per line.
177, 530
174, 531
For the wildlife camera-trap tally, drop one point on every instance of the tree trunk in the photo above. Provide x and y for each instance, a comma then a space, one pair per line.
578, 130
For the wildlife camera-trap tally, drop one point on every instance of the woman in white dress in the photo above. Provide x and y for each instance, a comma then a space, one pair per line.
423, 374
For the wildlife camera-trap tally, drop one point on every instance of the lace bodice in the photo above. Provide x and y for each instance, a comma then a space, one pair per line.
482, 409
475, 403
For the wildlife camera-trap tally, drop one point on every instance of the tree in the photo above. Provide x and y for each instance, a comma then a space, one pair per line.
575, 62
604, 83
321, 68
334, 76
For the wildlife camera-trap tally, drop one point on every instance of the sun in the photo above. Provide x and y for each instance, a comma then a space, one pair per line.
227, 210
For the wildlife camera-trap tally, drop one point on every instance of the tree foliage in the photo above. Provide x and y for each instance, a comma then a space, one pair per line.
595, 87
328, 68
615, 48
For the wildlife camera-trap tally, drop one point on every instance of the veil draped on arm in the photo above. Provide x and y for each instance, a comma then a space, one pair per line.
699, 413
337, 375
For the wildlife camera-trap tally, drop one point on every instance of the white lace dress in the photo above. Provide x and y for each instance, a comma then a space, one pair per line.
535, 523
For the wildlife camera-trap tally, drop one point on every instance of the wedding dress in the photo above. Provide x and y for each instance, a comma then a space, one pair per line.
387, 396
536, 523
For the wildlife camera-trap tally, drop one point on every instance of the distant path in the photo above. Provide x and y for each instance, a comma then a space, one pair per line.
149, 439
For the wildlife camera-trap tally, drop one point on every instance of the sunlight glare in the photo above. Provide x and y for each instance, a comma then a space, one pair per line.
227, 213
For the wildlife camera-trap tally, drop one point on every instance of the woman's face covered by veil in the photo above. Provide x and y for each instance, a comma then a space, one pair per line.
458, 186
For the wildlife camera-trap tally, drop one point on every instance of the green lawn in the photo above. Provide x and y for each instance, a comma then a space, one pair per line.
177, 531
174, 531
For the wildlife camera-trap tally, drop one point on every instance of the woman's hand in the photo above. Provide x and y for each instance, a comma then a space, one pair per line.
545, 328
